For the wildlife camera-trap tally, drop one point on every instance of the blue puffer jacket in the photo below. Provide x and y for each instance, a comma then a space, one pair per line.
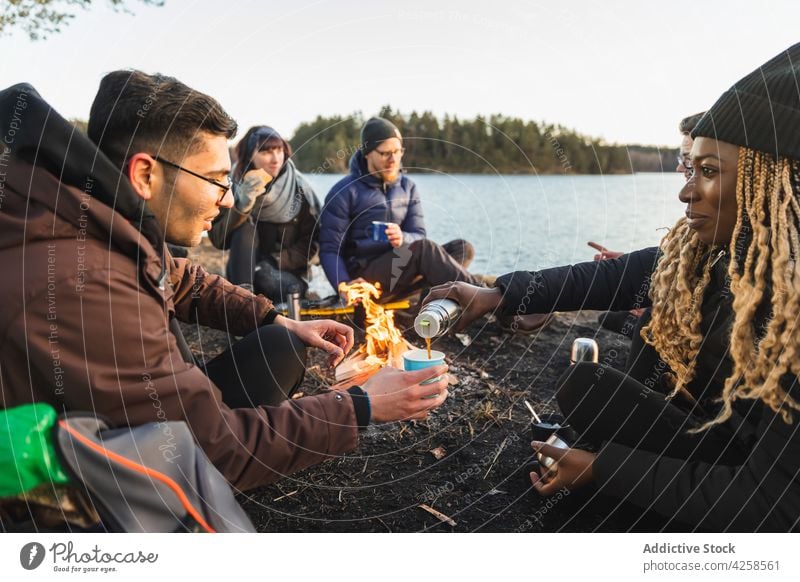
346, 221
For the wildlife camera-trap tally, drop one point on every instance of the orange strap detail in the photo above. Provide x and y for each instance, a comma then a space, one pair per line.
169, 482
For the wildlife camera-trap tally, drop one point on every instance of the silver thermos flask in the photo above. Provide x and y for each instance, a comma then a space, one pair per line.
294, 303
584, 349
436, 317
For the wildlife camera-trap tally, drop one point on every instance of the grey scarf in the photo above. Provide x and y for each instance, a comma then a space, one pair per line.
283, 199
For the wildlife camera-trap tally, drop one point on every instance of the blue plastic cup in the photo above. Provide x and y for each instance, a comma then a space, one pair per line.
418, 360
379, 231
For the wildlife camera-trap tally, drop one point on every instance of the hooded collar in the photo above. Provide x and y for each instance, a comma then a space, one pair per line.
38, 136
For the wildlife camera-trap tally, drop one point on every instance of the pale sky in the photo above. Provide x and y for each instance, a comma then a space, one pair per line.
624, 71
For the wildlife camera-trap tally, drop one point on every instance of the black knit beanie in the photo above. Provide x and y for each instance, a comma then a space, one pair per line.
762, 110
376, 130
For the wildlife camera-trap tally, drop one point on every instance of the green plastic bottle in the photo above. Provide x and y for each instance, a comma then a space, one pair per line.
27, 455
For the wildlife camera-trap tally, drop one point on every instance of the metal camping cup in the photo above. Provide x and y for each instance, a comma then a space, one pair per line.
436, 318
556, 441
379, 231
552, 432
584, 349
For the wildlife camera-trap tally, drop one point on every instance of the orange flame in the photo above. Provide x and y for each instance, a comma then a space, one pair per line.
385, 343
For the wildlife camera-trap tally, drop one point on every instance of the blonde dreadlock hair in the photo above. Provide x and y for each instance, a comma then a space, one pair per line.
764, 250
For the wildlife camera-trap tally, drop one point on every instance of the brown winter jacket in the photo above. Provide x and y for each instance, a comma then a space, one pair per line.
87, 303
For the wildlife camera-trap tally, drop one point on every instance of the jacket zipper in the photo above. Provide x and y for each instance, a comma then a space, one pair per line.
717, 258
386, 214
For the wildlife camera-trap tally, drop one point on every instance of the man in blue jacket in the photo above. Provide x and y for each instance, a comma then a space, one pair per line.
377, 191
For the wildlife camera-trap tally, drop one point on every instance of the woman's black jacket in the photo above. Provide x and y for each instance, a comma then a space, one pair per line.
760, 494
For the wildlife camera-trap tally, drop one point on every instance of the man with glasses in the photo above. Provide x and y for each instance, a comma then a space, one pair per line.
686, 126
372, 229
92, 297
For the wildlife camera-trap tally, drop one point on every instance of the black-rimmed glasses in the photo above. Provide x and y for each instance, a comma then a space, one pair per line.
220, 185
388, 155
688, 167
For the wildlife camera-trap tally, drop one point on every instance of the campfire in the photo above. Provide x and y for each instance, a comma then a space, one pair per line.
384, 345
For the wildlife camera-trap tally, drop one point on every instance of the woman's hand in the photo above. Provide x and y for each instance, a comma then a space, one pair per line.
604, 252
573, 469
333, 337
253, 184
474, 301
394, 234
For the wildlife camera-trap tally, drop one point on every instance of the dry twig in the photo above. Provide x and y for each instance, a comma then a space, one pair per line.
499, 450
287, 495
438, 515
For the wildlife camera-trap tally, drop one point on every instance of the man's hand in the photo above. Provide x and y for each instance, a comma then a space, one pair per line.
397, 395
603, 253
474, 301
253, 184
394, 234
333, 337
573, 469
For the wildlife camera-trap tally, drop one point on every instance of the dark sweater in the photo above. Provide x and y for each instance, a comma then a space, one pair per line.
292, 244
762, 493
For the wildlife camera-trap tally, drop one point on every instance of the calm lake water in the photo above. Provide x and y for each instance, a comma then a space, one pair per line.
532, 222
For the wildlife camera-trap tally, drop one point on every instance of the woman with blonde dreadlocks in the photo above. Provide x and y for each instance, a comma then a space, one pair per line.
704, 426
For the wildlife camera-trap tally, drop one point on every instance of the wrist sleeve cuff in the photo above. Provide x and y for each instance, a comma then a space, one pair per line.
270, 317
361, 405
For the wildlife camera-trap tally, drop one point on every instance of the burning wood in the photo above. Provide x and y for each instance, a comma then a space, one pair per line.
384, 346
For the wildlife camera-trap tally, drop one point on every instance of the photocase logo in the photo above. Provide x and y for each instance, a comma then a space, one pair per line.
31, 555
401, 258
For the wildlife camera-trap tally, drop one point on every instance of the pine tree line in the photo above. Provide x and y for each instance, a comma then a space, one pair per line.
499, 144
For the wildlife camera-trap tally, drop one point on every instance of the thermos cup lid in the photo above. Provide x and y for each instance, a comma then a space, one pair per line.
584, 349
426, 325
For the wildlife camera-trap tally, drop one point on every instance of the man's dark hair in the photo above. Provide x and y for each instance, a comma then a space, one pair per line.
136, 112
687, 123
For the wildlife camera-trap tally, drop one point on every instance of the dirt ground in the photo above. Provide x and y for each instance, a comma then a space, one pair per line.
466, 462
